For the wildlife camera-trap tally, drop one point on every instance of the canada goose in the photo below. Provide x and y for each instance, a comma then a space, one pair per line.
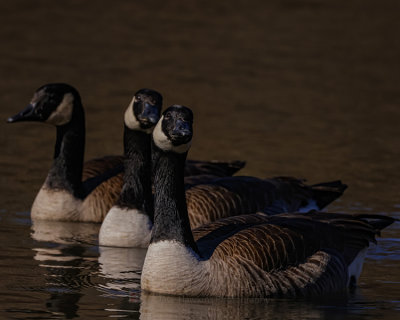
63, 195
208, 198
136, 194
244, 256
77, 191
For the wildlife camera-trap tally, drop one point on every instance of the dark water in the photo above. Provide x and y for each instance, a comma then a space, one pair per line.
304, 88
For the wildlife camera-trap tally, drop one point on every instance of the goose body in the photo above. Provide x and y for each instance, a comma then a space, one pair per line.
208, 197
78, 191
253, 255
102, 180
269, 258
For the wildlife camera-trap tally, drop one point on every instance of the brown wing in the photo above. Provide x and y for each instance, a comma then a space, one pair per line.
98, 166
229, 196
296, 254
236, 221
296, 234
207, 203
232, 196
102, 198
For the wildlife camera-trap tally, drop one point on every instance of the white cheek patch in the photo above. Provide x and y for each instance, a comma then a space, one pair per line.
162, 141
63, 113
130, 120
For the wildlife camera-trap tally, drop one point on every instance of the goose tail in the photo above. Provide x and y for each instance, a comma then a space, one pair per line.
377, 221
327, 192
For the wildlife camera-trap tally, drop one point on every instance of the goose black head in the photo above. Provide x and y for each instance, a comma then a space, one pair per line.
144, 110
52, 103
174, 131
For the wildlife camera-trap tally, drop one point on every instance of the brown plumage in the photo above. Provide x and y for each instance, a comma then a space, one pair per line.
103, 180
287, 249
99, 166
284, 255
230, 196
102, 198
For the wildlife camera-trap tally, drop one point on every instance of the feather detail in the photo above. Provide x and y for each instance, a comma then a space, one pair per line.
223, 197
99, 166
96, 205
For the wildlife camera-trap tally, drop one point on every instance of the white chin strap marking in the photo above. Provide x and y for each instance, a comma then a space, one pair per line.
63, 113
130, 120
162, 141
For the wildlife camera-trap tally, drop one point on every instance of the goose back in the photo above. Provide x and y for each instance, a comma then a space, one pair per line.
230, 196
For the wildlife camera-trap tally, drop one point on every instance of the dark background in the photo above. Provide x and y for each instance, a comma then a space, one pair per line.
304, 88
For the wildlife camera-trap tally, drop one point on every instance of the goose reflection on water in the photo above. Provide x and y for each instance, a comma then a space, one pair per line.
72, 261
64, 232
178, 308
66, 253
122, 268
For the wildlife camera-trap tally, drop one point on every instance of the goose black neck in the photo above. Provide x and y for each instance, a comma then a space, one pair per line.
171, 220
66, 170
136, 192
